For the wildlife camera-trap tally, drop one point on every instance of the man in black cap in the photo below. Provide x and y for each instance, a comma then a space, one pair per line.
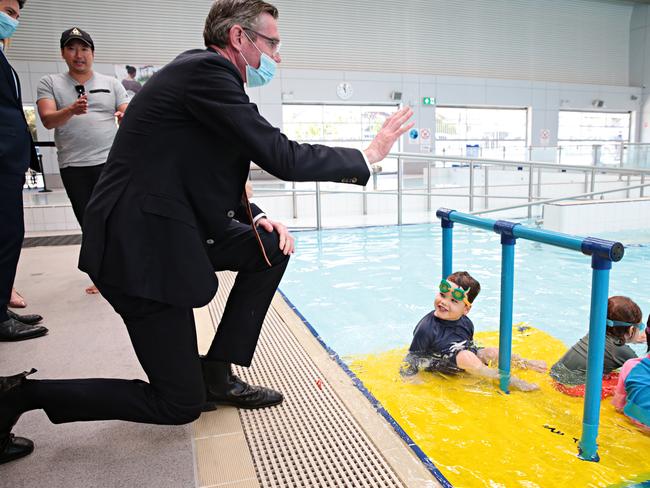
83, 132
16, 154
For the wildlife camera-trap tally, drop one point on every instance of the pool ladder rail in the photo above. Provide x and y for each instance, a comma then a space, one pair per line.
603, 253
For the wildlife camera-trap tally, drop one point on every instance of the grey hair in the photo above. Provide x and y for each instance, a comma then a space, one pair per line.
224, 14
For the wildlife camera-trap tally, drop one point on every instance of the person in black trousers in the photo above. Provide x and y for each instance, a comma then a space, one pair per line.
164, 216
17, 154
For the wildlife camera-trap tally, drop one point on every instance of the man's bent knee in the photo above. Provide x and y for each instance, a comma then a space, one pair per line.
182, 414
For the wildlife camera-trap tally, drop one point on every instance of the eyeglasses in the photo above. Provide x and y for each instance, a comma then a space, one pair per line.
456, 293
274, 44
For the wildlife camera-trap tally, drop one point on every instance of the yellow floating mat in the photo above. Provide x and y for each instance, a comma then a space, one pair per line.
478, 436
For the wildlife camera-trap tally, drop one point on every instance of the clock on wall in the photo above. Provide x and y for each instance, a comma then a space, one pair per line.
344, 90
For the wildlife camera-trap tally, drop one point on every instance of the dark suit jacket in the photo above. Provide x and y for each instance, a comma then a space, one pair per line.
17, 151
175, 176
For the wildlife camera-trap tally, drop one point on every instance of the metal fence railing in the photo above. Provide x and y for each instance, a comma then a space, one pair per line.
631, 182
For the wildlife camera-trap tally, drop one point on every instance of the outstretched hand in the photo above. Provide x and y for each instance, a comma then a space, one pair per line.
393, 128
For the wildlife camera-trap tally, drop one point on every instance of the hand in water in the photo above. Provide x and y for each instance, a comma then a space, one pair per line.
522, 385
536, 365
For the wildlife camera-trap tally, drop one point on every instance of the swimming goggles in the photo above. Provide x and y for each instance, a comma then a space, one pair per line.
617, 323
456, 293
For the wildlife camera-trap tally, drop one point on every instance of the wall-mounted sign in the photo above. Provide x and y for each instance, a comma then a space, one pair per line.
544, 137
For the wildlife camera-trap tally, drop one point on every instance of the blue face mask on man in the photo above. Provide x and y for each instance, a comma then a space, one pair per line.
262, 75
8, 26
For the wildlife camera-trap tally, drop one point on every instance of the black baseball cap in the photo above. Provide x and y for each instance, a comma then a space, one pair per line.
76, 33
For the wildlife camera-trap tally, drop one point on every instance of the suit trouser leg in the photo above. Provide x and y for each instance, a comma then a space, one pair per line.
251, 295
164, 340
79, 183
12, 231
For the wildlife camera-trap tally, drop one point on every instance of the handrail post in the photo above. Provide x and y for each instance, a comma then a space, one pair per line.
400, 174
595, 154
530, 190
629, 183
508, 242
428, 186
621, 154
471, 186
447, 240
592, 186
365, 200
486, 186
641, 190
318, 207
587, 447
294, 200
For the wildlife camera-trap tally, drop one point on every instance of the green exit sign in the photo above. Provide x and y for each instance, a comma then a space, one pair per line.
428, 101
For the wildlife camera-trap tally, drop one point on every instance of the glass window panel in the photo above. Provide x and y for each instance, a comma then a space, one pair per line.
302, 113
498, 133
587, 127
342, 114
335, 125
304, 131
578, 132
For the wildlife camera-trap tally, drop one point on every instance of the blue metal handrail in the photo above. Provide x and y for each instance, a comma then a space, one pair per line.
602, 253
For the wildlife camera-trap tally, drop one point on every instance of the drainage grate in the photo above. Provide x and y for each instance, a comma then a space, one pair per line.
65, 240
310, 440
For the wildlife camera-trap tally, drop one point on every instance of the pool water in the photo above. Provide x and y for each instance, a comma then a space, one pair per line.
365, 289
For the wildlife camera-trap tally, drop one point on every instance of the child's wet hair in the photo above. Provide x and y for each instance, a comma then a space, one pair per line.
465, 281
622, 309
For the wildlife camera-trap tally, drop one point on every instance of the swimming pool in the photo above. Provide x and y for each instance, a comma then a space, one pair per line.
364, 289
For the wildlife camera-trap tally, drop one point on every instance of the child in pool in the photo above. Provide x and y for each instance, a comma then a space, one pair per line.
443, 339
623, 326
632, 394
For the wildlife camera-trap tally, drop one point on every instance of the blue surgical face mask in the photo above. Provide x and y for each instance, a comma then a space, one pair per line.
262, 75
8, 26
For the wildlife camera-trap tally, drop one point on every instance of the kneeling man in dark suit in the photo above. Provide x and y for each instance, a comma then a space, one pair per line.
169, 209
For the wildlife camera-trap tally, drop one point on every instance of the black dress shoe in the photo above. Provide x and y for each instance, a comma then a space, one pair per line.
225, 388
12, 447
13, 330
29, 319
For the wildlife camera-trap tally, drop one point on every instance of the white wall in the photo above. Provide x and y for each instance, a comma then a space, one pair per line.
588, 218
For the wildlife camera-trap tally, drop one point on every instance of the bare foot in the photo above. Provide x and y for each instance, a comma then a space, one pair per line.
538, 365
16, 300
92, 290
522, 385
